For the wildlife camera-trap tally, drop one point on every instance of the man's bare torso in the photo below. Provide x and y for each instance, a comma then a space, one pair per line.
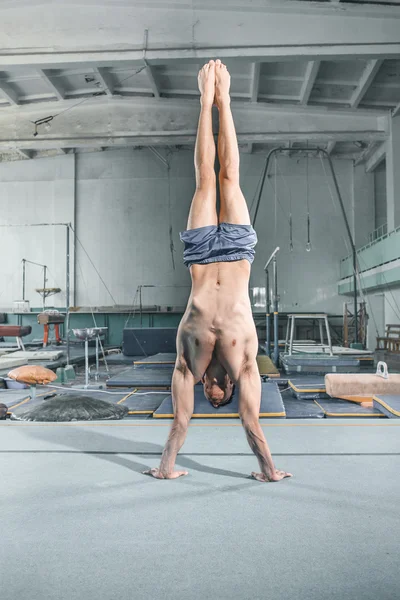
218, 322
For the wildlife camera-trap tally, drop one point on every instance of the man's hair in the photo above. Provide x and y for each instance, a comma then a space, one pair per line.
230, 399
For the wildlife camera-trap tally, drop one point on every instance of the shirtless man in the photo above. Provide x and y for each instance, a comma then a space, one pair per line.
217, 340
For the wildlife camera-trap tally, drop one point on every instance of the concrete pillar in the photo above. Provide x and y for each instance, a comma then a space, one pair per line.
393, 175
363, 205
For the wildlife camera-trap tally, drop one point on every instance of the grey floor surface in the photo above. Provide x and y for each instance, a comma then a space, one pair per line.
80, 521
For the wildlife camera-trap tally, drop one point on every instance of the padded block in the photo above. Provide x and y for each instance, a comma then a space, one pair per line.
134, 377
7, 362
308, 388
388, 404
357, 384
271, 405
160, 360
38, 354
342, 408
148, 341
15, 330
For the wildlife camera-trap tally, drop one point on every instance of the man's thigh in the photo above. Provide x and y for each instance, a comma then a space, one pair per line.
195, 349
237, 353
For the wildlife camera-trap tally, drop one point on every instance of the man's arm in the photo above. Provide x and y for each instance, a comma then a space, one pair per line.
249, 410
183, 402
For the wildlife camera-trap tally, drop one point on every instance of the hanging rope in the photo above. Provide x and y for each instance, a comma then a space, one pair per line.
276, 198
170, 229
308, 245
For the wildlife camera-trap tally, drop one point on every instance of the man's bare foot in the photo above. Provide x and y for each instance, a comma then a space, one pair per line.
206, 80
156, 473
277, 476
222, 83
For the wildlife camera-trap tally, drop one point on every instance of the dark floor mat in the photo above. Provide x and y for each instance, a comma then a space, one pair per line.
388, 404
343, 408
134, 377
301, 409
271, 405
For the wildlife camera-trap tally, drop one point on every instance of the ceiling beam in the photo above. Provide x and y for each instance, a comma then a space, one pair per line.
58, 92
377, 157
367, 152
123, 58
9, 94
147, 121
269, 30
367, 78
255, 81
150, 72
309, 80
105, 79
25, 153
330, 147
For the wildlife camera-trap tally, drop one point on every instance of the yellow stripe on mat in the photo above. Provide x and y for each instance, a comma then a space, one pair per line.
218, 416
389, 408
296, 389
166, 362
127, 396
349, 414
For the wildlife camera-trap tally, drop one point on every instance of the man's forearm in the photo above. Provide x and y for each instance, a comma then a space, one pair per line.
175, 441
259, 446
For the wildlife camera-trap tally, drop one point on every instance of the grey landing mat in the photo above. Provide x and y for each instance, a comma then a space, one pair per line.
301, 409
335, 408
160, 360
137, 405
134, 377
388, 404
308, 388
271, 405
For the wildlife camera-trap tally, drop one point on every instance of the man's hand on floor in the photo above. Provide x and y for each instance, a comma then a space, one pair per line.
277, 476
156, 473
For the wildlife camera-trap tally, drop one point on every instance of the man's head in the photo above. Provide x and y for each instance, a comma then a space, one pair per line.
218, 387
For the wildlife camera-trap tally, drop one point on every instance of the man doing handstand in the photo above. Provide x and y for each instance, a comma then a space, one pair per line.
217, 340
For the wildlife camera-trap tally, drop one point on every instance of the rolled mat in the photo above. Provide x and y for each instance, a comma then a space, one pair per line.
359, 387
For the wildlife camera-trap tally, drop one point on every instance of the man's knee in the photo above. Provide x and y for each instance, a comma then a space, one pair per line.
205, 176
229, 174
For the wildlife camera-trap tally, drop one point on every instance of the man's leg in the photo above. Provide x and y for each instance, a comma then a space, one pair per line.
233, 204
203, 209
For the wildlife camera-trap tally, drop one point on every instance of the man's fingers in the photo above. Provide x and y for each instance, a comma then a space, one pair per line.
258, 476
177, 474
284, 474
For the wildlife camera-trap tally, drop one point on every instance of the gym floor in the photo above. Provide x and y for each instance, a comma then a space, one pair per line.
79, 520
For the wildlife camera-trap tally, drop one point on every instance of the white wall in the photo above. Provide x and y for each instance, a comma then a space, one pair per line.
307, 280
124, 214
33, 192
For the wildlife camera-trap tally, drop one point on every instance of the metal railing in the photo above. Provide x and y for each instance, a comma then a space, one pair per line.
378, 233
